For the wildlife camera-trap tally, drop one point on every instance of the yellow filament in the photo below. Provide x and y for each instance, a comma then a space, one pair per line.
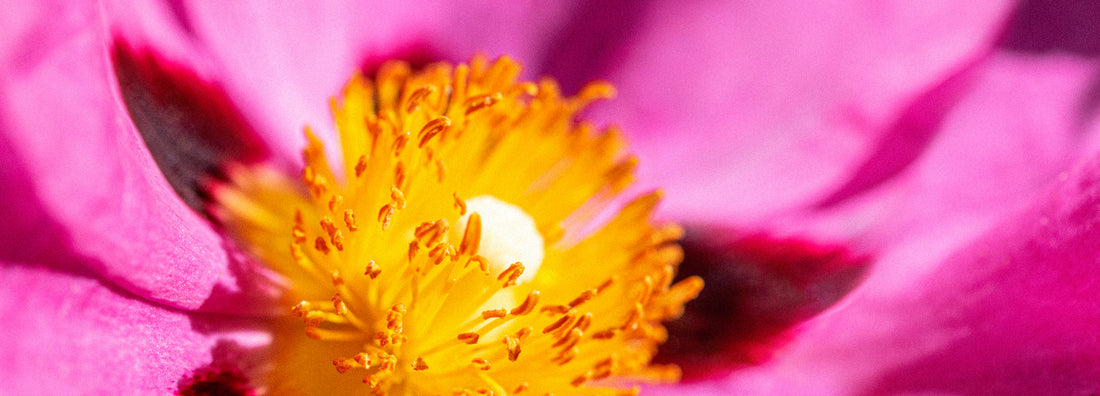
407, 299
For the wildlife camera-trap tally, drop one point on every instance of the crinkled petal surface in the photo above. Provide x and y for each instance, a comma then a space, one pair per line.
1013, 313
283, 62
1005, 125
770, 105
67, 333
63, 122
1015, 127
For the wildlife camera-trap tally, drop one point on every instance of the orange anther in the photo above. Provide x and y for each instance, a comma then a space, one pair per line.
301, 309
482, 364
566, 356
460, 205
469, 338
342, 365
338, 240
321, 246
471, 240
554, 309
605, 334
399, 175
338, 305
349, 220
635, 315
385, 214
565, 320
413, 249
583, 298
581, 379
363, 359
583, 322
361, 166
512, 344
336, 201
528, 304
606, 284
433, 128
298, 233
400, 143
419, 364
494, 313
524, 332
417, 96
512, 274
398, 197
480, 102
571, 339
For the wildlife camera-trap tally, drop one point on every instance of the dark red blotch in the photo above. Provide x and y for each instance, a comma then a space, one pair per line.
211, 381
190, 125
757, 289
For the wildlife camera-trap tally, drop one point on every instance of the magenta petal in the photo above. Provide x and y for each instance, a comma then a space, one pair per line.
1017, 126
69, 334
282, 62
770, 105
1013, 313
66, 126
1012, 132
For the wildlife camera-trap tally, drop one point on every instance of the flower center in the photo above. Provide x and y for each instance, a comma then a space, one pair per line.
508, 236
403, 286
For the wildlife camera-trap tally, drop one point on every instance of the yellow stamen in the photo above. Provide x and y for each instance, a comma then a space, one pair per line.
514, 289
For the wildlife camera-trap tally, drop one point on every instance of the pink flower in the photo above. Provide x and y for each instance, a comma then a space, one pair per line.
947, 153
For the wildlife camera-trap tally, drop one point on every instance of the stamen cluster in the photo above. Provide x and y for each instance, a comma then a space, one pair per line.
408, 303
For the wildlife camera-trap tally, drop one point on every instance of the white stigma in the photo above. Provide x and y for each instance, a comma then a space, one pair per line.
508, 235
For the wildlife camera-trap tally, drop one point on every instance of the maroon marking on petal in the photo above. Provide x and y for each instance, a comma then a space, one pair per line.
417, 54
224, 376
757, 289
1040, 26
211, 381
190, 125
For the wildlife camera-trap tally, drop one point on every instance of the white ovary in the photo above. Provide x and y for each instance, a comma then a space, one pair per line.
508, 235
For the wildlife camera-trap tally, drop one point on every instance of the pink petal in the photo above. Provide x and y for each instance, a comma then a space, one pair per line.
769, 105
283, 62
1015, 128
1013, 313
66, 333
1000, 316
64, 124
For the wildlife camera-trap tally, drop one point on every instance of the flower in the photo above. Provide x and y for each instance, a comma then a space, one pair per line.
449, 249
98, 240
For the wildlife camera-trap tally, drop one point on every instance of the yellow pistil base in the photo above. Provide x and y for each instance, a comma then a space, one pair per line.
386, 295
